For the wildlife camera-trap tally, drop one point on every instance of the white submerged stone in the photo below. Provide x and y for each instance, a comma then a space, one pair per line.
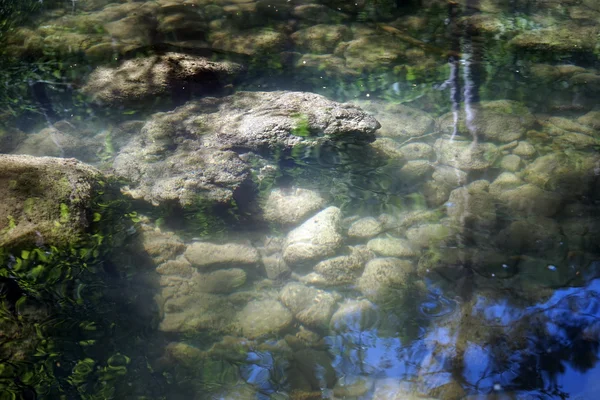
316, 238
291, 206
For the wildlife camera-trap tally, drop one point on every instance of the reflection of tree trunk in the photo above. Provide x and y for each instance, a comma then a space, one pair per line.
463, 42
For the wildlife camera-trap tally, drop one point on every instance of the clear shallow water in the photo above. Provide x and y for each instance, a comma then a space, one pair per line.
501, 302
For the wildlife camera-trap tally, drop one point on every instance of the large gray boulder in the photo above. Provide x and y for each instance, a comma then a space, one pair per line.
316, 238
192, 152
143, 79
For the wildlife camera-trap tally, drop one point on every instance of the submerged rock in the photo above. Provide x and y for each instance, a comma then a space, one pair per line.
391, 247
385, 279
263, 318
559, 39
204, 254
220, 281
399, 121
291, 206
343, 269
310, 306
143, 79
188, 310
472, 207
160, 246
566, 173
316, 238
465, 155
320, 38
500, 120
524, 149
45, 200
528, 200
365, 228
355, 316
191, 152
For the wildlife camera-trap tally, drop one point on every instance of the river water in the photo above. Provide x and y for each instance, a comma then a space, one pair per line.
444, 245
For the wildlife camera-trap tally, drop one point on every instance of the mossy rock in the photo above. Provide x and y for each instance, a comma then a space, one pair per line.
44, 200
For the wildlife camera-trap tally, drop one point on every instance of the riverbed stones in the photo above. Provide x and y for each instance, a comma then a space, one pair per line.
385, 278
188, 310
417, 151
528, 200
510, 163
45, 200
472, 206
354, 316
343, 269
220, 281
320, 38
500, 120
534, 235
567, 173
316, 238
143, 79
253, 42
449, 176
560, 39
465, 155
428, 235
310, 306
524, 149
291, 206
159, 246
505, 181
261, 318
205, 254
391, 247
399, 121
365, 228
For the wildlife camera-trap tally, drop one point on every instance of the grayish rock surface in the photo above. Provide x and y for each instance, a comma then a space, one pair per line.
500, 120
310, 306
355, 316
291, 206
204, 254
192, 151
391, 247
45, 200
365, 228
260, 318
465, 155
472, 206
144, 79
397, 120
316, 238
428, 235
343, 269
385, 278
220, 281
